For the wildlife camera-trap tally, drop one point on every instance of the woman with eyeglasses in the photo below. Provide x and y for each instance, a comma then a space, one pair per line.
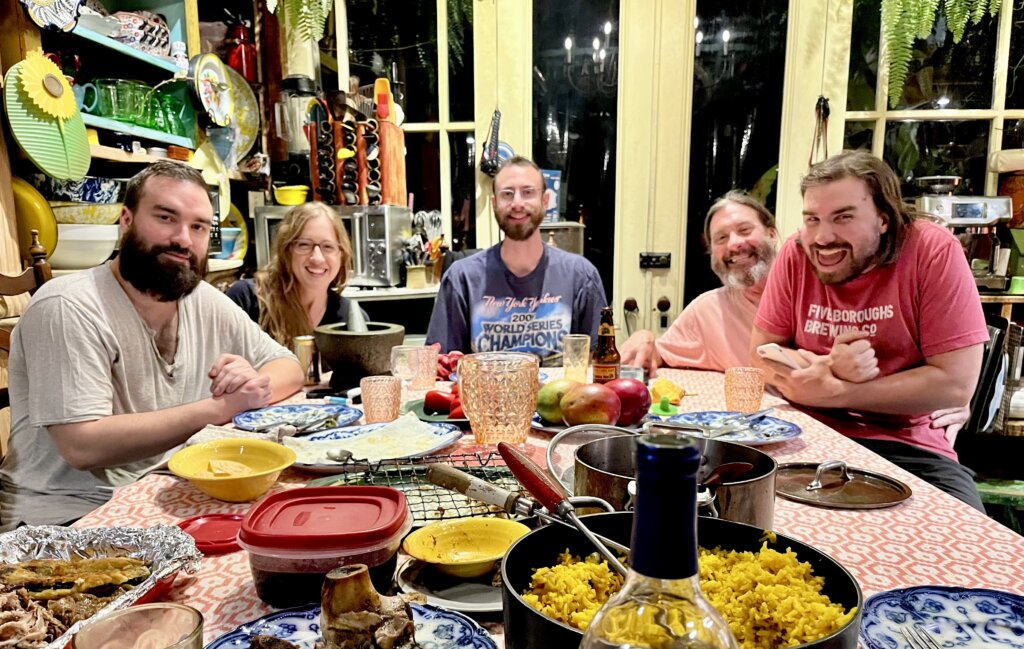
300, 288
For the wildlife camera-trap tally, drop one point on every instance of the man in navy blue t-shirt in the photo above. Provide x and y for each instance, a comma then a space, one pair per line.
519, 295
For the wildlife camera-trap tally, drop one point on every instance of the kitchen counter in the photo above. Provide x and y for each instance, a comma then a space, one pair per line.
390, 293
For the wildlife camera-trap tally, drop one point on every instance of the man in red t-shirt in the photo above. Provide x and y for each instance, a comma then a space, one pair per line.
884, 314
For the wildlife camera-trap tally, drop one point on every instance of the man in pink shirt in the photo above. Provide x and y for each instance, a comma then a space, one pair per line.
882, 310
713, 331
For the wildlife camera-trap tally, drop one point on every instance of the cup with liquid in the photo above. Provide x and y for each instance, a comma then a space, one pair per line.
576, 356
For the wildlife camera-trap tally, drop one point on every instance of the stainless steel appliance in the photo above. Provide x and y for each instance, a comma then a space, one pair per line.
378, 237
974, 220
291, 114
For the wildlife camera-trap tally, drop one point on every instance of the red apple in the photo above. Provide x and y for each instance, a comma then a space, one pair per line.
634, 397
590, 404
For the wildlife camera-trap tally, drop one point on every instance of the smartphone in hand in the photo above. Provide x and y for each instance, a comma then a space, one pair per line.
773, 352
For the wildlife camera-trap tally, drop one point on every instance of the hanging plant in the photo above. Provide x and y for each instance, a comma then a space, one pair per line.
903, 21
308, 16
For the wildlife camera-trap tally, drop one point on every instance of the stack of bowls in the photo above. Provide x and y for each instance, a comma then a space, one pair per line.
87, 212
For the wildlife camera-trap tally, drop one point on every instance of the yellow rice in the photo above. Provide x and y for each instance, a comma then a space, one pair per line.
770, 599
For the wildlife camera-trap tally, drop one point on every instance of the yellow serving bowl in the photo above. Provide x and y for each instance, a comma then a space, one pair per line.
86, 213
265, 461
291, 194
464, 547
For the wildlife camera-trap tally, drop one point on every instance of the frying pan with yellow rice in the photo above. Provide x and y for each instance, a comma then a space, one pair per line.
526, 627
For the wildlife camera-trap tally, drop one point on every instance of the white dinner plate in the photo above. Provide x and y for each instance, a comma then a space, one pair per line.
443, 435
445, 591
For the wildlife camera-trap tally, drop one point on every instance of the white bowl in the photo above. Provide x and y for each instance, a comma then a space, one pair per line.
83, 245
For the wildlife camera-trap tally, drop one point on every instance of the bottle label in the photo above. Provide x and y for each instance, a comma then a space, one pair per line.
604, 373
605, 330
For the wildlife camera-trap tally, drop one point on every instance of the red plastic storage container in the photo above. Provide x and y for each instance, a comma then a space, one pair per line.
296, 537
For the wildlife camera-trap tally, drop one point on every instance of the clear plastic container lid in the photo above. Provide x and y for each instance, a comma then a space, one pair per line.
324, 520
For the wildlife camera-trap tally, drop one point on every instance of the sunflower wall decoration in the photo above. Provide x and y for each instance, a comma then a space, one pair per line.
44, 117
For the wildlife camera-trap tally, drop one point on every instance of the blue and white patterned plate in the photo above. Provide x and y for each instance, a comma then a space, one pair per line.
435, 628
767, 430
954, 617
294, 414
537, 423
444, 435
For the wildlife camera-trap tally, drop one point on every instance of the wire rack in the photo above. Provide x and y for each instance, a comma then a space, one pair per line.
428, 502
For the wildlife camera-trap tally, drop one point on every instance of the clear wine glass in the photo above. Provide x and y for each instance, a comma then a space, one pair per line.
403, 363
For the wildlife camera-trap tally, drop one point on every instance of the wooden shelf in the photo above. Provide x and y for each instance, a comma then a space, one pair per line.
106, 41
119, 155
138, 131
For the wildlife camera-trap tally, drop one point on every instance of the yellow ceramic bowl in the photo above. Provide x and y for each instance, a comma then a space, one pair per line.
291, 194
464, 547
70, 212
235, 470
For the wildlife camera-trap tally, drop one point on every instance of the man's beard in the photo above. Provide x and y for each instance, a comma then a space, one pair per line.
854, 265
521, 231
162, 279
744, 278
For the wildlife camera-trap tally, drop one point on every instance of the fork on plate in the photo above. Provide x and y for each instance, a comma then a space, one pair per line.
919, 637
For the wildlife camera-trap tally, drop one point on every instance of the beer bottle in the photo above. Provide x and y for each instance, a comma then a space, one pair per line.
606, 358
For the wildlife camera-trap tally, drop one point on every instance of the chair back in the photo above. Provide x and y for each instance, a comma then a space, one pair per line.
27, 282
988, 392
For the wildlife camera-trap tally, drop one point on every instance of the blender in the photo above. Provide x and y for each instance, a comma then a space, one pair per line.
291, 114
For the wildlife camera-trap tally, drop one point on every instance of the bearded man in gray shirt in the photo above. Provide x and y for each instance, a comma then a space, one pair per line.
113, 368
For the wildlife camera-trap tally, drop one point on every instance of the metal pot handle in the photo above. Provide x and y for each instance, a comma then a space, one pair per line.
828, 466
569, 431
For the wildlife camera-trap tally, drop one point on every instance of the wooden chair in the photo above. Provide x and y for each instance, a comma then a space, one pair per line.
27, 282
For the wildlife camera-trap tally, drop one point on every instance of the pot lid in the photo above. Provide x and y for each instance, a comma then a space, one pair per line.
214, 533
44, 118
833, 484
325, 518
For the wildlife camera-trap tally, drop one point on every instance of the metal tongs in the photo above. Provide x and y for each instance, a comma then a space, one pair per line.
517, 504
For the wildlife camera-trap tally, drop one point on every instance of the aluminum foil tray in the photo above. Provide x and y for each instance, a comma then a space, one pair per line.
165, 548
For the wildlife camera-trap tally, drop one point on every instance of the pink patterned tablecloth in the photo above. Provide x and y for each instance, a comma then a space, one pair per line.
932, 538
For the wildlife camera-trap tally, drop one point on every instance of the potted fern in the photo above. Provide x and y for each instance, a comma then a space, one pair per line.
309, 16
904, 21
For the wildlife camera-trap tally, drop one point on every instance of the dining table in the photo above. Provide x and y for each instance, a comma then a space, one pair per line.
931, 538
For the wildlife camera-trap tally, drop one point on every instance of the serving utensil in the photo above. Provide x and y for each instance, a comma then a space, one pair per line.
552, 496
510, 502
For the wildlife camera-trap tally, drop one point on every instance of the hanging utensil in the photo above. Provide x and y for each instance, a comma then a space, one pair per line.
513, 503
552, 496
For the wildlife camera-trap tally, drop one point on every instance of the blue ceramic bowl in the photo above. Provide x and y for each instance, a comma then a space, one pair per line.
89, 189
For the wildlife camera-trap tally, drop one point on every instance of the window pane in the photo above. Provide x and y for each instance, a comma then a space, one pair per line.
423, 170
1015, 75
915, 149
575, 110
858, 135
460, 60
944, 75
1013, 134
737, 110
867, 19
397, 39
463, 147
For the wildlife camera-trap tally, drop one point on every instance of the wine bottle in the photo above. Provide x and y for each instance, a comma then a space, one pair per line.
661, 605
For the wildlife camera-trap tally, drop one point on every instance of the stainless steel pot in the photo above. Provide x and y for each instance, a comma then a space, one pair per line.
605, 467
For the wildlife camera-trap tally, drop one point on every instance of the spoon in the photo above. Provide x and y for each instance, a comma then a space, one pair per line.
551, 495
725, 472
